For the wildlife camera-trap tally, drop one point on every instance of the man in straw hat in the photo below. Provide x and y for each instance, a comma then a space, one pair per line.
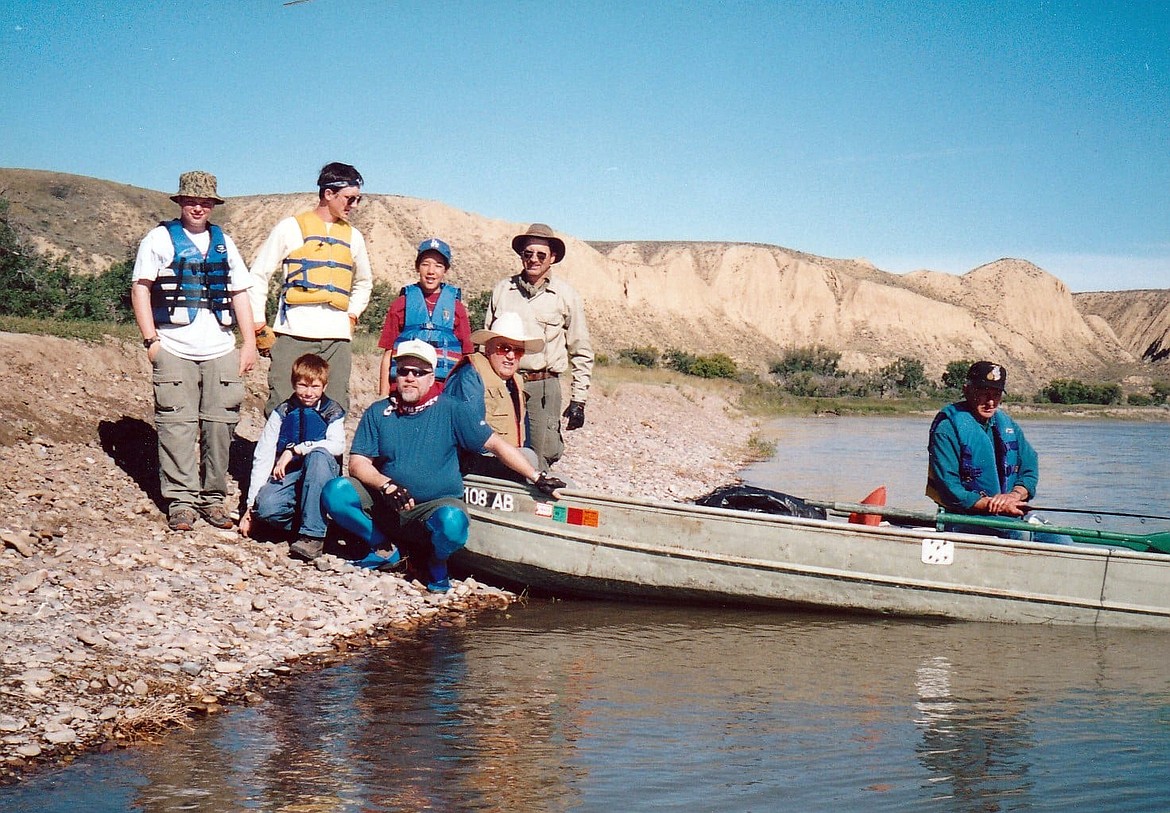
189, 288
980, 461
489, 380
405, 486
540, 298
325, 284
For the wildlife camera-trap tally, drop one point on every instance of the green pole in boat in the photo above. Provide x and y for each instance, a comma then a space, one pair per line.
1159, 542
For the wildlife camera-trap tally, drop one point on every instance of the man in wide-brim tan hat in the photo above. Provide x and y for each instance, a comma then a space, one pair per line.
489, 380
542, 299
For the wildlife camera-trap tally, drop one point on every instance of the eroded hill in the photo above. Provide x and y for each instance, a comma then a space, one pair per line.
751, 301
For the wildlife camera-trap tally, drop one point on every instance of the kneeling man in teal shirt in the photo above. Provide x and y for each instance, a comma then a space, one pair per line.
404, 468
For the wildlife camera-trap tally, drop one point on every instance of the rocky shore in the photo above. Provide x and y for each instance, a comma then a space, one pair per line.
114, 629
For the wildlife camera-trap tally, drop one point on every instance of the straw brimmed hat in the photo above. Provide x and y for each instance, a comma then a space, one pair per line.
508, 325
543, 232
197, 184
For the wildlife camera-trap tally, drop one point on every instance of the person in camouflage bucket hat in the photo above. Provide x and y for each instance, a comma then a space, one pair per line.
197, 184
189, 290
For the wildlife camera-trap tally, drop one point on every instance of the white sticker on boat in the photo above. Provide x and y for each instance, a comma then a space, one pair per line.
482, 498
938, 552
544, 509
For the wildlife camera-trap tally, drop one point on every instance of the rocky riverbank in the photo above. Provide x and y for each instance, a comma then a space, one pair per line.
114, 629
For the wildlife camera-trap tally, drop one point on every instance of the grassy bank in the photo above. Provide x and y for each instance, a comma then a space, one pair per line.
755, 398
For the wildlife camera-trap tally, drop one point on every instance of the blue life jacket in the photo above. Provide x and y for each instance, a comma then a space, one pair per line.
193, 282
436, 328
301, 424
988, 465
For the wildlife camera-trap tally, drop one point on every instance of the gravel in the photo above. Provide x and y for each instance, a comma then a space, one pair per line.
114, 629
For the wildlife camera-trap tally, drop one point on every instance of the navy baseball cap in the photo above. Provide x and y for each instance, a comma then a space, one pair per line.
987, 374
434, 244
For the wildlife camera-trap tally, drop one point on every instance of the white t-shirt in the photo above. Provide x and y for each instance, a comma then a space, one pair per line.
205, 338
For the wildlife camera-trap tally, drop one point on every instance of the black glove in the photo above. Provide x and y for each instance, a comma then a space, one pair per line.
547, 485
398, 498
575, 412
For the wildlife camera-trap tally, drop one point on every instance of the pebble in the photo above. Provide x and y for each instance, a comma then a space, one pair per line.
103, 611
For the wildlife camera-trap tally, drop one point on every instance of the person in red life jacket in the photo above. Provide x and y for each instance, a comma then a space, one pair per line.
296, 455
430, 310
325, 284
190, 287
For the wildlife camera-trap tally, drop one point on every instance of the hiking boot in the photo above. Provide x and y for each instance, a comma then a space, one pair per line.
216, 516
182, 519
307, 548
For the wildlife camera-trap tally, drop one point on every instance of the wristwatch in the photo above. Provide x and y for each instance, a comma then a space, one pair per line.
148, 343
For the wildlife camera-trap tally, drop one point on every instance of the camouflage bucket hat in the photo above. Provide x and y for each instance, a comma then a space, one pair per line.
197, 184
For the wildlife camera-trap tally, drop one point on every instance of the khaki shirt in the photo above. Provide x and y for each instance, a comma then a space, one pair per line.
558, 313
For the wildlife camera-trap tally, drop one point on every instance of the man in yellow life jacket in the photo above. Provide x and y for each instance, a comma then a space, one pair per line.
325, 285
489, 381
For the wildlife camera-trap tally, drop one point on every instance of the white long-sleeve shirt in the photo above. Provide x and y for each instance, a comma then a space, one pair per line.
317, 321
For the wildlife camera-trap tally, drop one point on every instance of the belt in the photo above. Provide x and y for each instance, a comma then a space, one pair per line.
538, 375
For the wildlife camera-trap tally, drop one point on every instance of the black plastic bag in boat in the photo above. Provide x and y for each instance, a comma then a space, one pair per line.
760, 500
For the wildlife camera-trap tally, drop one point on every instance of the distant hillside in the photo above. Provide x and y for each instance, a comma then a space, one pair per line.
1141, 319
751, 301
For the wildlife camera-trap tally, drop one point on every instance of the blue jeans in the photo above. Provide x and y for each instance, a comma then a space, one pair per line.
277, 502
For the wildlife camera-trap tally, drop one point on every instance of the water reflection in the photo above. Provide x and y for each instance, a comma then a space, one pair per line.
976, 752
576, 706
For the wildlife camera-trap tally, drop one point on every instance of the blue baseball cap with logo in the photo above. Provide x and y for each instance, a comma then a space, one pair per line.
434, 244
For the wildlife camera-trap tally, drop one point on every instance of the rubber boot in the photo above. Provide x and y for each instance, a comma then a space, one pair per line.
448, 526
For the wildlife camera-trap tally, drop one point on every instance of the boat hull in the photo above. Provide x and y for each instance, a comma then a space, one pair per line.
591, 545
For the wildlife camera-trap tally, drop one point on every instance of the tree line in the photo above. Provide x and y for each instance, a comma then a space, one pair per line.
813, 372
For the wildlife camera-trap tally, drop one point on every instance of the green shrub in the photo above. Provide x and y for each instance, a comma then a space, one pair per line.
955, 376
811, 359
477, 305
32, 286
718, 365
641, 356
1071, 391
1139, 399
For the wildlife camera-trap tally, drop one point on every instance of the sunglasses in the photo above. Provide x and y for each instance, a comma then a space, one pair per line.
504, 349
416, 372
352, 200
529, 254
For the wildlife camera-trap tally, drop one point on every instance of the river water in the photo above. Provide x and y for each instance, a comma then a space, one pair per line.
599, 707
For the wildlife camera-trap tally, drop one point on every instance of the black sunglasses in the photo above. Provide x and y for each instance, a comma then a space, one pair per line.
417, 372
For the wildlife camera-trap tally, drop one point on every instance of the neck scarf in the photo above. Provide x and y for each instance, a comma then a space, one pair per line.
398, 407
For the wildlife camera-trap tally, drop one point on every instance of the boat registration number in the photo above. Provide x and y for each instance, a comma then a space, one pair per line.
494, 500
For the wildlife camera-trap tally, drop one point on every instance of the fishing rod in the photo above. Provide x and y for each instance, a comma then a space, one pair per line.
1092, 511
1158, 542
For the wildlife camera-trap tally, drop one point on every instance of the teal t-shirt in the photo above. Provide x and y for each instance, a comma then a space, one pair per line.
421, 451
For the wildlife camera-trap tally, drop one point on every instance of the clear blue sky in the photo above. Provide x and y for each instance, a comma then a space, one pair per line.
935, 135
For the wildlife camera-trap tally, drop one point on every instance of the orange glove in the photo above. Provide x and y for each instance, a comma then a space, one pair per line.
265, 338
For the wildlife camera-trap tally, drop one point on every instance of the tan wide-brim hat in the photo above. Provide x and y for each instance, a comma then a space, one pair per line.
542, 232
508, 325
197, 184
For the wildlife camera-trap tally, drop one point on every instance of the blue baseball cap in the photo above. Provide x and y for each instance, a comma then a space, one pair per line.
434, 244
